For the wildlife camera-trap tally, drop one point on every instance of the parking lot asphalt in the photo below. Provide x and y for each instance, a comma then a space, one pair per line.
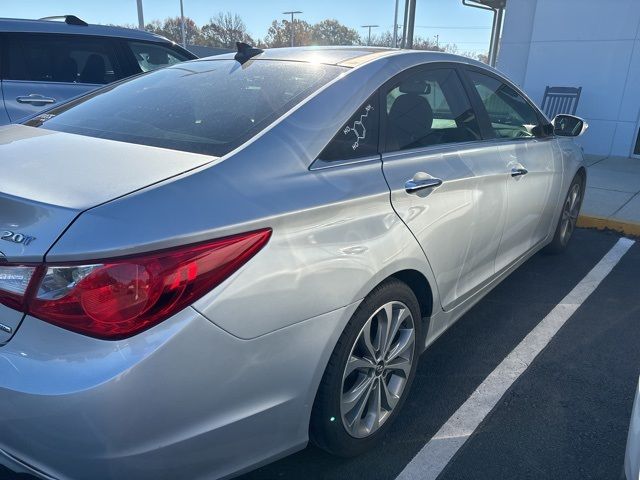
565, 417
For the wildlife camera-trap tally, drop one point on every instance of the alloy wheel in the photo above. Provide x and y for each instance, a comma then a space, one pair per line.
570, 213
377, 369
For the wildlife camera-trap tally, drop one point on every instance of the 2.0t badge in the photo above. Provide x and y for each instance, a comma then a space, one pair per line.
16, 237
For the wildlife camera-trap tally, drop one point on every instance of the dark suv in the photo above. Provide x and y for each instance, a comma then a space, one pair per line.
43, 62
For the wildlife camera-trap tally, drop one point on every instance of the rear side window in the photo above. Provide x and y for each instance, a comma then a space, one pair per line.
358, 137
428, 107
510, 114
58, 58
209, 107
150, 56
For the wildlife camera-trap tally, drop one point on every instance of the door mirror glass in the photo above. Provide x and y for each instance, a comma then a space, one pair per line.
569, 126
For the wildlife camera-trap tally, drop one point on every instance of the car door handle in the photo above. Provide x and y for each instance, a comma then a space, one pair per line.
35, 99
417, 184
518, 171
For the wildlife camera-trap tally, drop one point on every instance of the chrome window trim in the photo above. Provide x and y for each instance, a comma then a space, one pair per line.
319, 164
439, 148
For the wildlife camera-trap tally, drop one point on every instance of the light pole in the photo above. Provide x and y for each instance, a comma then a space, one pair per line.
292, 13
369, 27
395, 26
184, 35
497, 7
140, 16
409, 23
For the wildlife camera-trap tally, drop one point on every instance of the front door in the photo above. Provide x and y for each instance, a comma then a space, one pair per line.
533, 166
447, 184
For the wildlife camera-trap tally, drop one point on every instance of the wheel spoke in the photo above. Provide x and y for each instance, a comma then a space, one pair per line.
400, 315
400, 364
356, 415
405, 342
376, 405
358, 363
389, 398
367, 340
385, 320
575, 194
357, 397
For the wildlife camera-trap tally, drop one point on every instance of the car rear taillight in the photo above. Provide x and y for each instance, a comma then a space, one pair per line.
14, 281
120, 297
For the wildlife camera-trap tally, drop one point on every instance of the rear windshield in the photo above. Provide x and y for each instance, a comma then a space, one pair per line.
207, 107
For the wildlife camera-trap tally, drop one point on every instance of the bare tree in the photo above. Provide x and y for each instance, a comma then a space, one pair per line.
225, 30
172, 29
420, 43
384, 39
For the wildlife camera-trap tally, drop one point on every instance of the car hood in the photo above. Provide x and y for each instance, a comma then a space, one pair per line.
47, 178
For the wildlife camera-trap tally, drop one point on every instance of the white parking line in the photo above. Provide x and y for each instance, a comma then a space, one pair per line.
436, 454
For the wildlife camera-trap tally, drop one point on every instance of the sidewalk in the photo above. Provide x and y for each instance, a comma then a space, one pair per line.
612, 197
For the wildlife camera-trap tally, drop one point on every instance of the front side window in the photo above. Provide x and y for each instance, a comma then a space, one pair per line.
67, 59
509, 113
358, 137
208, 106
151, 56
429, 107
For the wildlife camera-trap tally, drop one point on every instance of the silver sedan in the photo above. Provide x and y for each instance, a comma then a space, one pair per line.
209, 265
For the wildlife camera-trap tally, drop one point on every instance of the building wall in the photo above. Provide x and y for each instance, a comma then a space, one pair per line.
590, 43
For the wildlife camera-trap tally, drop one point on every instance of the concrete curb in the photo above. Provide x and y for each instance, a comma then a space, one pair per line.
603, 223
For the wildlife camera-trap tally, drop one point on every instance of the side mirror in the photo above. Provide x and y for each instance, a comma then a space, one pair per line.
543, 130
569, 126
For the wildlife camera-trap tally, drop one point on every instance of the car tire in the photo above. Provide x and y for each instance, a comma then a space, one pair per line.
343, 422
568, 216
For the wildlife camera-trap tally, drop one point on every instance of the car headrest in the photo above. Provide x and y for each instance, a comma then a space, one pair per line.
415, 85
158, 57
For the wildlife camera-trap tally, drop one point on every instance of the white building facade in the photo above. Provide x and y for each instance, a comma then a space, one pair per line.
593, 44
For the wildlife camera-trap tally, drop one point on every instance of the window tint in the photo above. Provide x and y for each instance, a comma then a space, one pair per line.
510, 114
206, 107
69, 59
429, 107
150, 56
358, 137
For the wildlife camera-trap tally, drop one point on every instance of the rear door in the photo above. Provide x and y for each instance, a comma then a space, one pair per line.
533, 165
447, 184
42, 70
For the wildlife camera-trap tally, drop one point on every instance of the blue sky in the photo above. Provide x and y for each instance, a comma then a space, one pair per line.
469, 28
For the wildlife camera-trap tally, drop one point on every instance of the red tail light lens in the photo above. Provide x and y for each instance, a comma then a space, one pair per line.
121, 297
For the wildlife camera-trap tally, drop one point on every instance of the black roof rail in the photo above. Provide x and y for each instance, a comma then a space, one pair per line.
68, 19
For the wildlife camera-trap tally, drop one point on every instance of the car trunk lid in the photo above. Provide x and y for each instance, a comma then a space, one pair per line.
48, 178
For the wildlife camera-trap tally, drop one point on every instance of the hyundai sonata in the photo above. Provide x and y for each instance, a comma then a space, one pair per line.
209, 265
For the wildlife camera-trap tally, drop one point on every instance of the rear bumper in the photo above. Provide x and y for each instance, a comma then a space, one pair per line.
182, 400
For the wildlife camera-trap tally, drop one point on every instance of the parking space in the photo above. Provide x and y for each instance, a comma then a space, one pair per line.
566, 416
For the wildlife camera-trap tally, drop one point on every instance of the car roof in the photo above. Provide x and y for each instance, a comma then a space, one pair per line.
347, 56
17, 25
